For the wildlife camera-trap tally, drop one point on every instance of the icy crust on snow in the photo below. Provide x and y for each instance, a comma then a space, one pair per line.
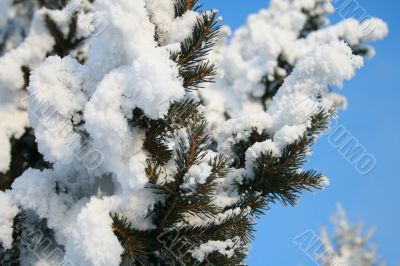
300, 97
75, 109
269, 36
29, 53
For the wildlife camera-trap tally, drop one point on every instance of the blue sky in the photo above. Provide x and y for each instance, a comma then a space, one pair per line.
373, 118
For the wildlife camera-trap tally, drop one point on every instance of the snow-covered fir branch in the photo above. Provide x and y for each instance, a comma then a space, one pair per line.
260, 55
134, 168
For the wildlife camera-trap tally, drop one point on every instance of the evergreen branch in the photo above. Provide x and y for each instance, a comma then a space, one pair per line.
240, 148
63, 45
182, 6
195, 76
231, 226
133, 241
194, 69
278, 178
197, 46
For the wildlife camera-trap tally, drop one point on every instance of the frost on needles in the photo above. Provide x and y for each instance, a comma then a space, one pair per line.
138, 167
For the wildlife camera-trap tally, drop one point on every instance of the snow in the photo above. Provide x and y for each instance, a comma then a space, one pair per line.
7, 215
172, 30
240, 128
50, 115
202, 220
75, 107
328, 65
289, 114
259, 148
35, 190
200, 172
78, 110
324, 181
226, 248
374, 29
93, 241
29, 53
255, 51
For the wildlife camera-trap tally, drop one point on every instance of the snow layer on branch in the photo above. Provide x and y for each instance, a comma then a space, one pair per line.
327, 65
7, 215
29, 53
35, 190
270, 38
197, 174
226, 248
93, 241
82, 226
349, 30
296, 102
126, 69
140, 75
12, 108
56, 80
232, 132
75, 107
172, 31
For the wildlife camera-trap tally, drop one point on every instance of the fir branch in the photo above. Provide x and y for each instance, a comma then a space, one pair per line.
132, 240
193, 77
279, 178
240, 148
182, 6
194, 69
234, 224
26, 72
63, 45
273, 85
200, 43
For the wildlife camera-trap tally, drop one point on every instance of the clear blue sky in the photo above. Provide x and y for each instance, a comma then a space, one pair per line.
373, 117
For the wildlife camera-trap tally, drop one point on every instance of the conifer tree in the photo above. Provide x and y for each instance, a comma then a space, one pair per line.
136, 175
351, 246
